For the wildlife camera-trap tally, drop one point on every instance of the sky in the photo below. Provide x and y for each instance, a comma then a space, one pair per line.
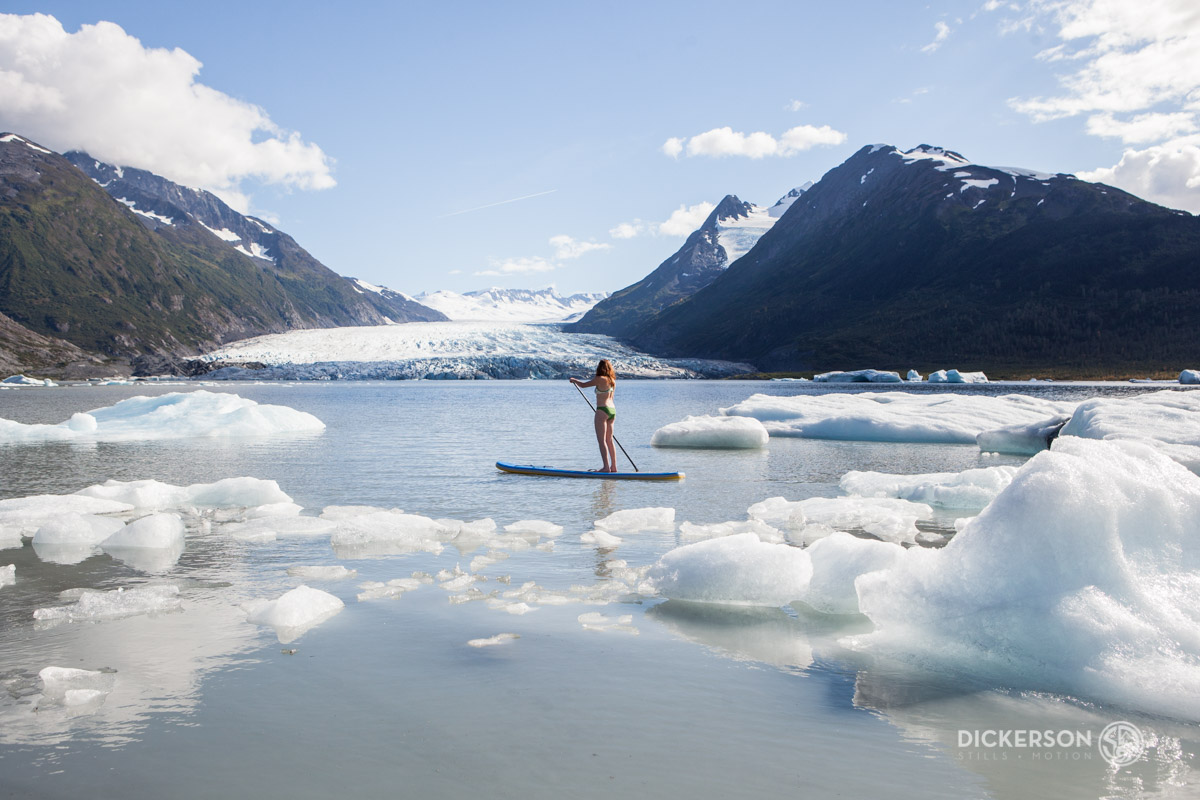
464, 145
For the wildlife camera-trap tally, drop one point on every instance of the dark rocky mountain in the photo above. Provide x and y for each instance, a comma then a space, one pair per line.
729, 231
151, 283
922, 258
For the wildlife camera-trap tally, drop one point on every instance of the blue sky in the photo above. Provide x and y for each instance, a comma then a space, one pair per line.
464, 145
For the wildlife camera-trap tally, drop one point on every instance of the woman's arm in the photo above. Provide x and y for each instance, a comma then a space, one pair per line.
585, 384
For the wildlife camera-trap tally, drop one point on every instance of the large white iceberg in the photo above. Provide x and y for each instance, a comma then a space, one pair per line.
858, 376
170, 416
894, 416
735, 433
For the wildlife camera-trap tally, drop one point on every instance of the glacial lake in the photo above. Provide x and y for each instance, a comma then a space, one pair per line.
387, 699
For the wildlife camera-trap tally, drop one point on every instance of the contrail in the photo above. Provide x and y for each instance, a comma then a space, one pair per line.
493, 205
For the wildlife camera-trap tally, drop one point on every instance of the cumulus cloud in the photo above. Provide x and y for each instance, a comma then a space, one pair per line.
1134, 71
100, 90
519, 266
940, 31
566, 247
627, 230
685, 219
727, 142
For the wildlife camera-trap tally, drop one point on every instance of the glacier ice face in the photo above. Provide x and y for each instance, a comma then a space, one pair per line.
170, 416
733, 433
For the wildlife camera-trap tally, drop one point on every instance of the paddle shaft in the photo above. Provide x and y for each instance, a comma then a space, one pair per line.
615, 439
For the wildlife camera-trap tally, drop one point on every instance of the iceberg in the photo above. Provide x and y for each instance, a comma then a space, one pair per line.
92, 606
170, 416
71, 687
972, 489
76, 529
858, 376
914, 376
1021, 440
157, 531
954, 376
1168, 420
637, 520
733, 570
21, 380
293, 613
8, 575
734, 433
1190, 376
154, 495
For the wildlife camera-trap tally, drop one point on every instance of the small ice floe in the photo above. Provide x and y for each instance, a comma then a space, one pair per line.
858, 376
76, 529
735, 570
487, 559
23, 516
382, 533
954, 376
273, 527
720, 433
595, 621
492, 641
762, 530
1190, 376
914, 376
150, 544
837, 561
79, 690
93, 606
22, 380
170, 416
889, 519
151, 495
535, 526
637, 520
1168, 421
601, 538
293, 613
377, 590
971, 489
312, 573
8, 575
1022, 440
517, 608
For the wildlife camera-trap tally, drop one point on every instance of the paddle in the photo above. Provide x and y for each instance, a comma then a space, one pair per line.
615, 439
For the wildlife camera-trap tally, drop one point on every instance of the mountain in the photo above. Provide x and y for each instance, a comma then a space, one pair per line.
924, 258
512, 305
144, 279
730, 231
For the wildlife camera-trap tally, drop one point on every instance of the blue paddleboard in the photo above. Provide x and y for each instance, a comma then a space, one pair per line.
524, 469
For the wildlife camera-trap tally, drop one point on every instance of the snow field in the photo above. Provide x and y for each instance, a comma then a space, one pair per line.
735, 433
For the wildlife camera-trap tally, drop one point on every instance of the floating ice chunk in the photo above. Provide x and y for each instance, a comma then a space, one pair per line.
76, 529
735, 570
272, 527
914, 376
971, 489
23, 516
510, 607
1190, 376
459, 583
70, 687
115, 604
535, 526
894, 416
276, 510
171, 416
890, 519
858, 376
733, 433
759, 528
636, 520
594, 621
158, 531
10, 537
375, 590
8, 575
492, 641
22, 380
337, 513
385, 533
601, 538
1080, 578
837, 561
333, 573
1022, 440
293, 613
155, 495
1167, 420
954, 376
777, 511
82, 423
65, 554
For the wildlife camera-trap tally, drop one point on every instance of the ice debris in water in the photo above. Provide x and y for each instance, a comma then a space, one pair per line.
637, 520
170, 416
1167, 420
157, 531
735, 570
1080, 577
759, 528
837, 561
155, 495
1022, 440
8, 575
595, 621
733, 433
294, 612
76, 529
535, 526
889, 519
22, 516
272, 527
894, 416
311, 573
379, 533
492, 641
971, 489
75, 688
601, 538
116, 604
376, 590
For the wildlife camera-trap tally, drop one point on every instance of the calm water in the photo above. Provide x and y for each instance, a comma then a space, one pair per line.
387, 698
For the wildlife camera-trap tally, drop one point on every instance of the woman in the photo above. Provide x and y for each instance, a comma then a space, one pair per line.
605, 383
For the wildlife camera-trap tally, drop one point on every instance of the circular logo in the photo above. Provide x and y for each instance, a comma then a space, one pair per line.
1121, 743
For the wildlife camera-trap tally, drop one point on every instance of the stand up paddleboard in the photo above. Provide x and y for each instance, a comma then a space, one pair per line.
522, 469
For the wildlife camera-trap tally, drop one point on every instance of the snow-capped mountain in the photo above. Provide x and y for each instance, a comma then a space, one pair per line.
729, 232
511, 305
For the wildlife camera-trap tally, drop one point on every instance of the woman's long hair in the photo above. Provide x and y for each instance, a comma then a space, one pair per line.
605, 369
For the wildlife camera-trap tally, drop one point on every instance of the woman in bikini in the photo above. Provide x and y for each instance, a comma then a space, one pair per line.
605, 382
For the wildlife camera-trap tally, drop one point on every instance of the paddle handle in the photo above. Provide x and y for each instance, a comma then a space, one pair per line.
615, 439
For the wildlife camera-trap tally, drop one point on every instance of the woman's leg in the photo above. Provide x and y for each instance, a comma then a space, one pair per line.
608, 443
603, 425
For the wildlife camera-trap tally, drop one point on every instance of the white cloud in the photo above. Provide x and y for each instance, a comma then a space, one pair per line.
627, 230
673, 147
100, 90
796, 105
1168, 174
941, 31
725, 141
1144, 127
565, 247
517, 266
685, 219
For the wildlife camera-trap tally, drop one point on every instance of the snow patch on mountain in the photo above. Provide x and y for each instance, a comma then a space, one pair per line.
738, 234
12, 137
511, 305
132, 206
